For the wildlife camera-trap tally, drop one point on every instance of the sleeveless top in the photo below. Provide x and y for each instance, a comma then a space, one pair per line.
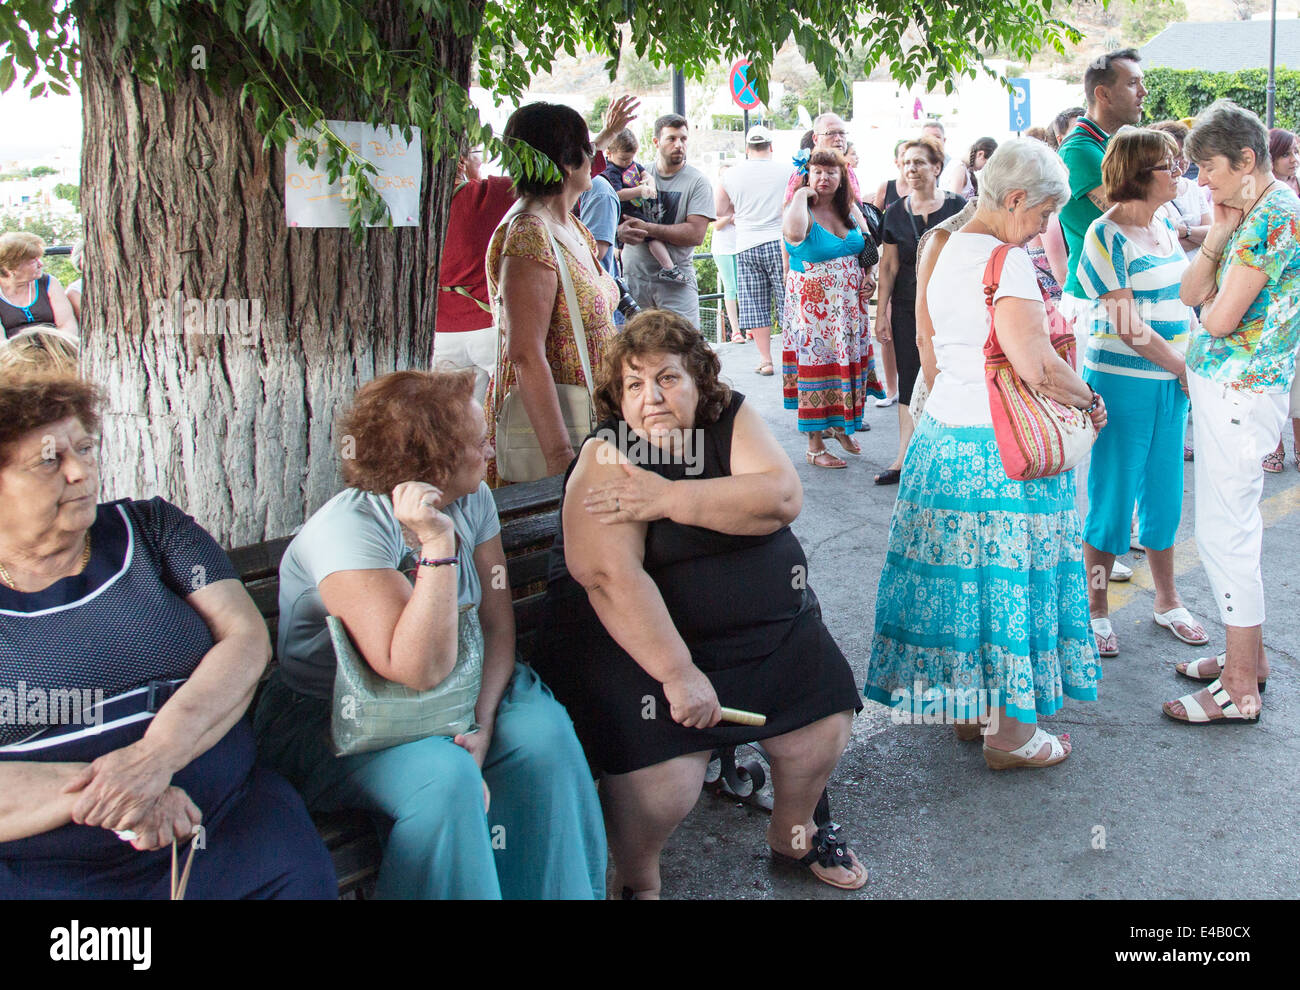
821, 245
39, 310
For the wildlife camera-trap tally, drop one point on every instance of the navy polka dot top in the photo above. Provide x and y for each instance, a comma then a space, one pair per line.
119, 624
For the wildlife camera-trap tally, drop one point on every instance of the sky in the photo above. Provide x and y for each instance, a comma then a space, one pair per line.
38, 128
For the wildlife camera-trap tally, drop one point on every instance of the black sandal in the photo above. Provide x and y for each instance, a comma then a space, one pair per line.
828, 851
889, 477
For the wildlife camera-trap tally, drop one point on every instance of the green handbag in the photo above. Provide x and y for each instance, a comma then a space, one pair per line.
370, 712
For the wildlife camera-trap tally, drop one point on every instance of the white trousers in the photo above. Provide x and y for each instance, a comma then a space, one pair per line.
475, 349
1233, 430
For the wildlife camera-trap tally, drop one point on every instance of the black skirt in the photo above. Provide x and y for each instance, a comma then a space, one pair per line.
744, 610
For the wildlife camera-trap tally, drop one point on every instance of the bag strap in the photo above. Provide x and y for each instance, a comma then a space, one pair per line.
570, 297
992, 280
575, 314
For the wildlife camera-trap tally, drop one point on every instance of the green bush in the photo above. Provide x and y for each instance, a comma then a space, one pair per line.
1177, 93
706, 269
596, 118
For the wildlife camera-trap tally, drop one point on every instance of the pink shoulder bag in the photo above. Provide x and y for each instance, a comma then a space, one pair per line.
1037, 436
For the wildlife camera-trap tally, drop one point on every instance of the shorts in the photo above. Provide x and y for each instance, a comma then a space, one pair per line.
760, 277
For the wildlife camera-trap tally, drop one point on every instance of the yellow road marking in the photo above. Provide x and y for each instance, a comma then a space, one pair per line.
1274, 509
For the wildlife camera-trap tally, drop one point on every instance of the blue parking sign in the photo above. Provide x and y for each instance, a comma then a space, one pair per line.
1018, 103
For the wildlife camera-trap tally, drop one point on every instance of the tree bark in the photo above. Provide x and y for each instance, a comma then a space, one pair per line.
181, 204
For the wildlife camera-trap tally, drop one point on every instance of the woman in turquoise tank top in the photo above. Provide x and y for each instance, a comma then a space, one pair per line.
827, 368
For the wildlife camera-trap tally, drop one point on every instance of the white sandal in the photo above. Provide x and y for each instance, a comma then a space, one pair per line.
998, 759
1229, 713
1180, 616
1102, 630
1185, 668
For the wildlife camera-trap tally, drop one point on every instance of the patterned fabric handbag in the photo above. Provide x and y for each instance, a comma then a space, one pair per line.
1037, 436
370, 712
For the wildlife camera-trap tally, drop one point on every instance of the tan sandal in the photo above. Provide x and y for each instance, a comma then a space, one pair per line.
847, 442
968, 731
835, 463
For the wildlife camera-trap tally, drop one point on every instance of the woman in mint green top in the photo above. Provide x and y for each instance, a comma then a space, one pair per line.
1240, 367
506, 811
827, 369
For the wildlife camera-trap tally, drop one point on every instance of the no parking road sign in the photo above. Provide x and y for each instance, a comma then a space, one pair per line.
1018, 104
742, 86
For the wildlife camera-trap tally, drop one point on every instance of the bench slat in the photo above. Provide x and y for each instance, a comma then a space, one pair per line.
529, 496
266, 595
528, 568
530, 533
259, 560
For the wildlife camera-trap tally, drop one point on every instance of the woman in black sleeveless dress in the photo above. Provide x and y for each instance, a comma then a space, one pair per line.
906, 222
677, 587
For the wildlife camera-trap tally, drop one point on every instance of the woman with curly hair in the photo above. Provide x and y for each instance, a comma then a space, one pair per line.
677, 587
412, 542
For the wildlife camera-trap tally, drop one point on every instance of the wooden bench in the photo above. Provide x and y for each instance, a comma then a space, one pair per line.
529, 519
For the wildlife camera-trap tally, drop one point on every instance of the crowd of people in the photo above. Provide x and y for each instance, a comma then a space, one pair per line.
1117, 293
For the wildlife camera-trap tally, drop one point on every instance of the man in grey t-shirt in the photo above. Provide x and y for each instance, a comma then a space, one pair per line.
679, 217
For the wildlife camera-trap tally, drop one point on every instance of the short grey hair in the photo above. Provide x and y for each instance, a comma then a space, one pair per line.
936, 125
1224, 128
1027, 164
824, 118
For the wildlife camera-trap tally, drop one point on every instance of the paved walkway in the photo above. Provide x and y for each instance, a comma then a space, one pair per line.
930, 820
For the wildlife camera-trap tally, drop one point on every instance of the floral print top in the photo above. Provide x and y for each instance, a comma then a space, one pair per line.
1260, 355
597, 296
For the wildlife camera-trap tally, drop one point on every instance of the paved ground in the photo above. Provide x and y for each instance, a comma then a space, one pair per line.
930, 820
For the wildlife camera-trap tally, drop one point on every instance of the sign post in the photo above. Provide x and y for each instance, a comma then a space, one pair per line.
1018, 105
742, 88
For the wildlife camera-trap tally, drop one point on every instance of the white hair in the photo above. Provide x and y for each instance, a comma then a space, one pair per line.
1028, 165
823, 118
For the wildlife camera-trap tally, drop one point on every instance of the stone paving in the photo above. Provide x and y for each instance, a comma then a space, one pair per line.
1144, 808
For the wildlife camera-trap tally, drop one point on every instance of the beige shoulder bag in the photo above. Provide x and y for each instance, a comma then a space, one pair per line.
519, 454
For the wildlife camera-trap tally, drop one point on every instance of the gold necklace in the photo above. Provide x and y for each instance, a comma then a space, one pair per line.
85, 561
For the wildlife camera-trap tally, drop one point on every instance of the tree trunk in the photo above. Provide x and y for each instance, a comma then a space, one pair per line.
183, 209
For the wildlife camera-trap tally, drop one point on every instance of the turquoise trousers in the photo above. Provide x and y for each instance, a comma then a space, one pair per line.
543, 837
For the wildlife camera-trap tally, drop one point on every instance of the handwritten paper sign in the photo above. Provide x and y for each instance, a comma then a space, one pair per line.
311, 200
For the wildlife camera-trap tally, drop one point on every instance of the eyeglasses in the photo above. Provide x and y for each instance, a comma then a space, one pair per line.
837, 133
1173, 168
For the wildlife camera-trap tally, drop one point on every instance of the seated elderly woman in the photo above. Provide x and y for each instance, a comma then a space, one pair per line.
983, 601
129, 652
1240, 364
678, 587
27, 297
421, 437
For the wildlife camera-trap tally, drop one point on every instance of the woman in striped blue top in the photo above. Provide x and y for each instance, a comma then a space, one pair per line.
1131, 267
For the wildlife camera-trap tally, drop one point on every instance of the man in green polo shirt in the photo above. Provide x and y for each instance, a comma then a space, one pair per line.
1113, 87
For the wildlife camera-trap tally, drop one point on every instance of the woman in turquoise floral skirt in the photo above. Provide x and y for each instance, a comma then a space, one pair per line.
982, 608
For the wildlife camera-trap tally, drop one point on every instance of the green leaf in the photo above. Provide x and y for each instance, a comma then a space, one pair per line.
6, 73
